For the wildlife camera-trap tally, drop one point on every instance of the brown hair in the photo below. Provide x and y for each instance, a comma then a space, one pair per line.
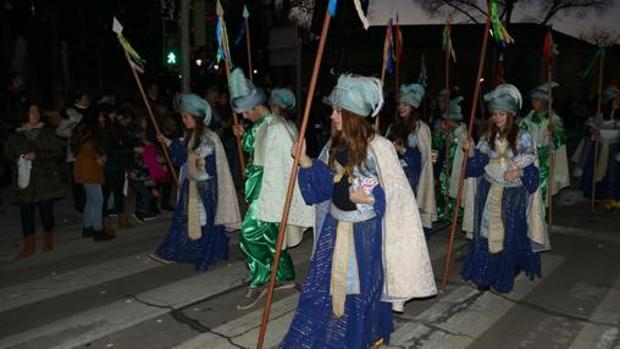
403, 126
510, 132
355, 136
195, 134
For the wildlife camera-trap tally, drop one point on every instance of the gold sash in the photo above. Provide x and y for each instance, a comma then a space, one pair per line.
496, 223
340, 266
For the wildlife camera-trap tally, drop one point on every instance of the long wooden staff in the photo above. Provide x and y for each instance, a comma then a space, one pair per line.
246, 16
599, 106
386, 44
153, 120
224, 38
550, 180
472, 115
446, 113
292, 180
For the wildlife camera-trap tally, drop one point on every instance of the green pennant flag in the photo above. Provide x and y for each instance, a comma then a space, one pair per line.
587, 73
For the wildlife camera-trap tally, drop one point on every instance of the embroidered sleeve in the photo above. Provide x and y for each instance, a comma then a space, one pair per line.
526, 154
178, 153
530, 178
379, 204
316, 182
413, 159
476, 164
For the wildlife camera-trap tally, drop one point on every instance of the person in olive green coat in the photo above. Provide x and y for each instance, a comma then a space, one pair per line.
33, 151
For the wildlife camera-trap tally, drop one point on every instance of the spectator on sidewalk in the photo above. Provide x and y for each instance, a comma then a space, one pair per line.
73, 117
33, 151
139, 175
117, 152
88, 145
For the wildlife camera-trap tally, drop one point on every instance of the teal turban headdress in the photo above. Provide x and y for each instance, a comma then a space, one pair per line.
283, 97
505, 97
454, 109
358, 94
412, 94
193, 105
244, 95
542, 92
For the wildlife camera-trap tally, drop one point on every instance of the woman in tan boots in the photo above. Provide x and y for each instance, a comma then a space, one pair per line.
33, 151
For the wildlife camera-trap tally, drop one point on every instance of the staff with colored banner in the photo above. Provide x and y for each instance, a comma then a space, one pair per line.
136, 64
223, 53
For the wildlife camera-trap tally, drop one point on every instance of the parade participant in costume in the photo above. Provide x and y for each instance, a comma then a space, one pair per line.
537, 124
282, 102
268, 142
509, 226
604, 132
456, 132
207, 203
369, 257
412, 139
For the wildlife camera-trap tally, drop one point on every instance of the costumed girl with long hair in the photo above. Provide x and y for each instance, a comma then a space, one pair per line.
509, 227
603, 131
361, 235
207, 203
412, 139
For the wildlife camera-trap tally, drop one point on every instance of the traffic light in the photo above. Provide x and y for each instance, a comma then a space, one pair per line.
171, 58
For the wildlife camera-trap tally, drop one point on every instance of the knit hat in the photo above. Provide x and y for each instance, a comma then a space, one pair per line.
542, 92
358, 94
411, 94
194, 105
244, 95
505, 97
282, 97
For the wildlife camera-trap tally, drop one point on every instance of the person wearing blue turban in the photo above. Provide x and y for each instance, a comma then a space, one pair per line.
207, 203
537, 124
454, 134
509, 229
282, 102
268, 143
603, 132
412, 139
360, 193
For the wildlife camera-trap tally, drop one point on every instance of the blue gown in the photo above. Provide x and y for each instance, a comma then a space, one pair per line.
497, 271
366, 318
213, 245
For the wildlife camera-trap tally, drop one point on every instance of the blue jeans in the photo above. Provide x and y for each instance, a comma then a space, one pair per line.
93, 207
28, 213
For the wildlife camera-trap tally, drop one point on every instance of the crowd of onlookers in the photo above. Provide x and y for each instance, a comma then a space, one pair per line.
102, 150
105, 150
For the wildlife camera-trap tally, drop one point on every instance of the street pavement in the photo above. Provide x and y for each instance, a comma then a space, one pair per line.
90, 294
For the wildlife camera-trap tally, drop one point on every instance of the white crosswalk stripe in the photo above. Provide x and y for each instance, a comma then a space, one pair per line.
455, 319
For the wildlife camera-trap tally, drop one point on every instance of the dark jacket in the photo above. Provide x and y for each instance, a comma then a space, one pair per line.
45, 181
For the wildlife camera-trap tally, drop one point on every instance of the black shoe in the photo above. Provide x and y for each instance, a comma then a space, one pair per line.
100, 235
143, 217
87, 233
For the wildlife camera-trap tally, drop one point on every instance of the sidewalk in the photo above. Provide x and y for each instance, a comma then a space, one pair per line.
572, 215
